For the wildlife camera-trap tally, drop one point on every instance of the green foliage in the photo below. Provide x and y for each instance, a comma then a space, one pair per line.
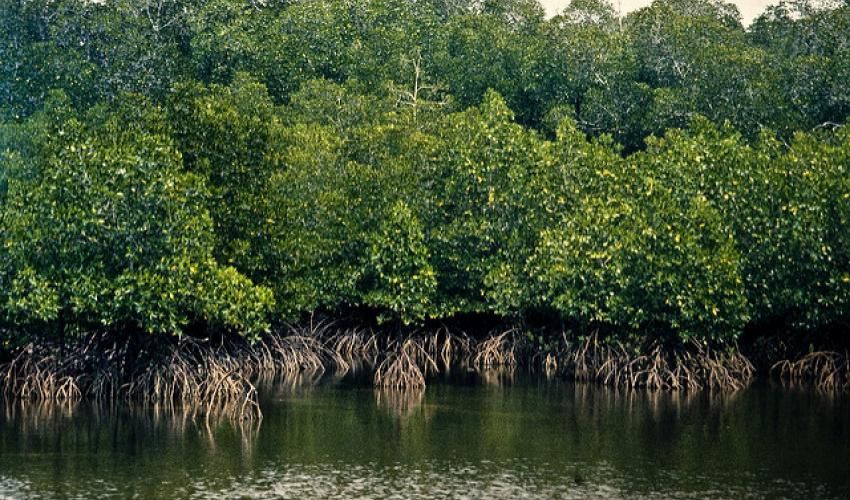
481, 52
224, 135
480, 223
102, 227
404, 281
232, 164
638, 249
788, 207
93, 51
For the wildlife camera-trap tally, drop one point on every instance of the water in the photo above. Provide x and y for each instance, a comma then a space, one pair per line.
516, 438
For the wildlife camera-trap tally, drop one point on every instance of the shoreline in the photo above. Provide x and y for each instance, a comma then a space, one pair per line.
210, 378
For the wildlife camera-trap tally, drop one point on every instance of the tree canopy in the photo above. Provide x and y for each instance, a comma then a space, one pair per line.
239, 164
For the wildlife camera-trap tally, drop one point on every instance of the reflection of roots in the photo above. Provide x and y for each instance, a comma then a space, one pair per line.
36, 417
828, 370
590, 401
46, 417
289, 382
400, 402
693, 366
498, 376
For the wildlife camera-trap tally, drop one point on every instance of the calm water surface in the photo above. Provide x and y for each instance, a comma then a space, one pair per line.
502, 437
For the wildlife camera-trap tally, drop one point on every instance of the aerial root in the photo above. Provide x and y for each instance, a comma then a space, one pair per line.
405, 365
37, 373
351, 349
829, 371
689, 367
199, 377
498, 349
446, 347
203, 378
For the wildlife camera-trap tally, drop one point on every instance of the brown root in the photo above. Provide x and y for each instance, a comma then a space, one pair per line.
694, 366
199, 378
499, 349
351, 349
209, 379
275, 355
446, 347
40, 373
405, 366
829, 371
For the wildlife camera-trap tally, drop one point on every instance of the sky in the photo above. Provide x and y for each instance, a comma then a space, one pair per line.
750, 9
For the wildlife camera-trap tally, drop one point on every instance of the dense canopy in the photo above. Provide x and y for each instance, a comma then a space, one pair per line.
237, 164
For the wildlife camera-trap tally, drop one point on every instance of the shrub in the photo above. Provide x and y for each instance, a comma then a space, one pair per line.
789, 207
641, 251
102, 226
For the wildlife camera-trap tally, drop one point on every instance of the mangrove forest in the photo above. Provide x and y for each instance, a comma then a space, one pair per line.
196, 195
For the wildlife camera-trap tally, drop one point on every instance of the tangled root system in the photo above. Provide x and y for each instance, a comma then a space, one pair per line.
498, 349
827, 370
200, 378
405, 365
692, 366
206, 378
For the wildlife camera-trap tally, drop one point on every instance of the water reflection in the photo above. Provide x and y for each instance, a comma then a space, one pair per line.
293, 383
498, 376
506, 435
402, 403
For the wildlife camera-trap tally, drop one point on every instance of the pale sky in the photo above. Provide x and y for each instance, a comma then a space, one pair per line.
749, 8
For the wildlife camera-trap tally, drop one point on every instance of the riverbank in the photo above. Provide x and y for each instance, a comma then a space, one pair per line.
206, 377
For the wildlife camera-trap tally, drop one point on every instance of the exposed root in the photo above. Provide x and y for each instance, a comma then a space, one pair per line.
694, 366
828, 370
446, 347
398, 370
275, 355
211, 379
40, 373
196, 377
496, 350
351, 349
202, 379
405, 366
